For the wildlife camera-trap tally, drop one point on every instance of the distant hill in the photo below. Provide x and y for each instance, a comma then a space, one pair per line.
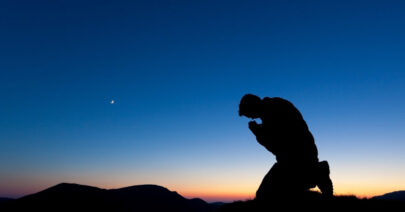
397, 195
74, 197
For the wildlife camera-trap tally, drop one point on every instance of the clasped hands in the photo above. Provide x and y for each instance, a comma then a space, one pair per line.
255, 127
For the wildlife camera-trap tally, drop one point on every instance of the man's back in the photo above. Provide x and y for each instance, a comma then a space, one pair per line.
286, 133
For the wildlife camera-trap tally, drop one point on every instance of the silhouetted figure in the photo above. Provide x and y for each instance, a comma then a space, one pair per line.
284, 133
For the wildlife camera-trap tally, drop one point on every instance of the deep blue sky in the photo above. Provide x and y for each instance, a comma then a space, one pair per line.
177, 70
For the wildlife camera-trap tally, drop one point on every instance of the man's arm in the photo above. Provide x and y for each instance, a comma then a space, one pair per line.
254, 127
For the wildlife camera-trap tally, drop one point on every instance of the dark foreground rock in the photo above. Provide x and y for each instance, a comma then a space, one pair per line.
314, 201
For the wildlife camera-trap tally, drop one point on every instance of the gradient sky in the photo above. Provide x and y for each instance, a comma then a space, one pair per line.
177, 70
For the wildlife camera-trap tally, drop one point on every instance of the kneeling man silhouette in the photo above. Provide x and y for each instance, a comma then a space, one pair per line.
284, 133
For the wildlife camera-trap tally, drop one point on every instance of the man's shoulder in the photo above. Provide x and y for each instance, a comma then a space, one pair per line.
267, 103
269, 100
275, 102
273, 99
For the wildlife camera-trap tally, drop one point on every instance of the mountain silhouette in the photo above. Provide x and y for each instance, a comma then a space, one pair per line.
396, 196
74, 197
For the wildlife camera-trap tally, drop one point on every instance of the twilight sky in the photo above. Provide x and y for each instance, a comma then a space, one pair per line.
176, 71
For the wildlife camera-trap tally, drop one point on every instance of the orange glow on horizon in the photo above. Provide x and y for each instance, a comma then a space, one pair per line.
210, 191
219, 196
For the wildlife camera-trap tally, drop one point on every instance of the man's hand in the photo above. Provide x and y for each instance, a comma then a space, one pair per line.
254, 127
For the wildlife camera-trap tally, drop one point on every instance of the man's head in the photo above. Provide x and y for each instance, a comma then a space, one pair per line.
250, 106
